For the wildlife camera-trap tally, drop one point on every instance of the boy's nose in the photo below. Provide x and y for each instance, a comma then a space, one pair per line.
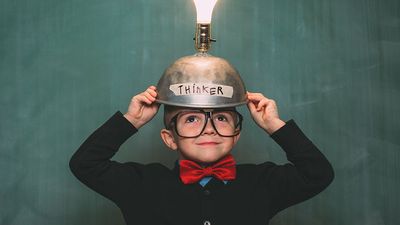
209, 129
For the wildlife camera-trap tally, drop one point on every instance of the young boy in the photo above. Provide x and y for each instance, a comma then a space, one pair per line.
206, 186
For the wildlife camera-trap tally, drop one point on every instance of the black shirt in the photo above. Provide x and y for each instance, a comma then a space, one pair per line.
153, 194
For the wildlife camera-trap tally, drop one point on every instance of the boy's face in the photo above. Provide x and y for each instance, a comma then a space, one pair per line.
201, 135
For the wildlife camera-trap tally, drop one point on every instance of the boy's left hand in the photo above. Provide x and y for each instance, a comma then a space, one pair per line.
264, 112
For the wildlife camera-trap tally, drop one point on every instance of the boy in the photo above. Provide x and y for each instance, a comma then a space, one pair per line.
206, 187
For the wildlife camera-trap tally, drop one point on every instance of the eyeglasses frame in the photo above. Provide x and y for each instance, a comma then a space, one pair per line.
208, 116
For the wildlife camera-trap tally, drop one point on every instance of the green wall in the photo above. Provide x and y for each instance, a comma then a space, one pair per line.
66, 66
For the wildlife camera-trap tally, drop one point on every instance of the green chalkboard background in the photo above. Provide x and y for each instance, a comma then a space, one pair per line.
68, 65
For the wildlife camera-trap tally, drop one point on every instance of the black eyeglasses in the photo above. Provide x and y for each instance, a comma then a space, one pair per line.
192, 123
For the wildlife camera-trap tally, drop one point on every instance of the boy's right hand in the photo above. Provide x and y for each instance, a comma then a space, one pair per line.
142, 107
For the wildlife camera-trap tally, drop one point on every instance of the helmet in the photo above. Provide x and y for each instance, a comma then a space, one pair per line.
201, 81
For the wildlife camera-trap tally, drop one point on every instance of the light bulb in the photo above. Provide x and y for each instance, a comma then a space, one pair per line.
204, 10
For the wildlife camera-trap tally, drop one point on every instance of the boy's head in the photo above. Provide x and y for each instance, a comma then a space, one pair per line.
201, 135
201, 80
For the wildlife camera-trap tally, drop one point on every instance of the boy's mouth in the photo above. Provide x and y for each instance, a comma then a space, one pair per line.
204, 143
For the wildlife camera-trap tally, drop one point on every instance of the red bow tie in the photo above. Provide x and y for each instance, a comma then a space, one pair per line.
191, 172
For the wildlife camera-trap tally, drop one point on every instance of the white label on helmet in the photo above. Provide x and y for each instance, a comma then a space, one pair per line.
202, 89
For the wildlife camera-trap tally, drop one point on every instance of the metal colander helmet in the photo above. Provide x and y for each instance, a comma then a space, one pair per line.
201, 81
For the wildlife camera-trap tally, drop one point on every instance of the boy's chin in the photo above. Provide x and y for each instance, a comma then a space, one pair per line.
208, 161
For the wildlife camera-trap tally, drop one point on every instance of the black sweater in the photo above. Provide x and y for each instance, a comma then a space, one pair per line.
153, 194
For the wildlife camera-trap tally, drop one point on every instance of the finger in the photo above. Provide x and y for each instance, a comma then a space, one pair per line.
152, 92
256, 97
253, 98
253, 103
263, 103
249, 92
143, 99
252, 107
255, 93
149, 96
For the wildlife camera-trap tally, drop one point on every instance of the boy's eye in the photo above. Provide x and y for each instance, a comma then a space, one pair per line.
221, 118
191, 119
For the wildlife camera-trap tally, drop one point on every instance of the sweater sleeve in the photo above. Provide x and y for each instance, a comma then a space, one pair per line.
308, 173
91, 163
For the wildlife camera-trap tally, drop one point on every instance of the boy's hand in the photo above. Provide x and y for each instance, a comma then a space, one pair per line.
264, 112
142, 107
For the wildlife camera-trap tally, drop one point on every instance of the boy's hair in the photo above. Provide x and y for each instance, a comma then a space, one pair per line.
169, 112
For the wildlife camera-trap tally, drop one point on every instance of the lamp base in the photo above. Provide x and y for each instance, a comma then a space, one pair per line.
203, 37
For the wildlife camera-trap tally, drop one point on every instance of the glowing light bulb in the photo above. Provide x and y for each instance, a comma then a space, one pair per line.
204, 10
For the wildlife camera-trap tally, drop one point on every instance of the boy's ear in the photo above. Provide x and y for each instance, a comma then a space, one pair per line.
236, 139
168, 137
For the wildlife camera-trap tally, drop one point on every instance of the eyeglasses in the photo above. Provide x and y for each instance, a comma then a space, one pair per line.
192, 123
